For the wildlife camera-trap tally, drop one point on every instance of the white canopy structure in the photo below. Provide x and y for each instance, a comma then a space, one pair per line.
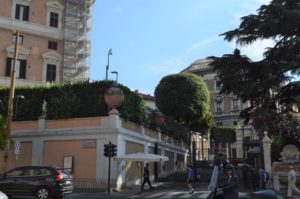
141, 157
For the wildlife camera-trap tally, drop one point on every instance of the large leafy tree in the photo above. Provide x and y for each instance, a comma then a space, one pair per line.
184, 97
261, 82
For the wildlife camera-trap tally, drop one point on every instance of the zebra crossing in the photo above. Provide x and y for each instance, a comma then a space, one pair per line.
280, 196
173, 194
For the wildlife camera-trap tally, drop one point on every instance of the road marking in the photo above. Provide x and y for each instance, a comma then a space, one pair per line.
204, 195
155, 195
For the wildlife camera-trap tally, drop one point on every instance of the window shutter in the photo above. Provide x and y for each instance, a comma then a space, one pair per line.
26, 13
17, 14
22, 69
8, 67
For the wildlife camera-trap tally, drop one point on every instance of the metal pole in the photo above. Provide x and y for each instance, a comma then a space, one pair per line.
107, 66
109, 161
202, 146
108, 187
156, 163
10, 105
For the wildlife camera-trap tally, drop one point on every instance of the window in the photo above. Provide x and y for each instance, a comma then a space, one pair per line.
20, 68
218, 85
235, 104
219, 106
219, 123
51, 73
20, 40
53, 19
52, 45
22, 12
16, 172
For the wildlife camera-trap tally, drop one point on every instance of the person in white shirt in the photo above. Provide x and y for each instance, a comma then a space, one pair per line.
292, 182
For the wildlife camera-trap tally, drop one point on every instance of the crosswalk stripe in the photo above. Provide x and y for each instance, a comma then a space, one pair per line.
204, 195
174, 194
156, 195
179, 194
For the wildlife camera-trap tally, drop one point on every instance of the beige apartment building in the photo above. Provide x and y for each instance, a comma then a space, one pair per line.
225, 108
54, 43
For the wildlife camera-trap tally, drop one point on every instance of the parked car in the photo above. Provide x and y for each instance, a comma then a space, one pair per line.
43, 182
3, 195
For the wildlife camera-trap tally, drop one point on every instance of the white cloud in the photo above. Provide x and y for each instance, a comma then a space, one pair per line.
201, 44
256, 49
168, 66
118, 10
260, 2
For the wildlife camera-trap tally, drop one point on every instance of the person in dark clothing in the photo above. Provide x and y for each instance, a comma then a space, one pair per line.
224, 166
228, 190
146, 177
262, 178
245, 174
254, 179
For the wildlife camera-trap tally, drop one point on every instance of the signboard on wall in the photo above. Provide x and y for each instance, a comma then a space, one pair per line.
68, 163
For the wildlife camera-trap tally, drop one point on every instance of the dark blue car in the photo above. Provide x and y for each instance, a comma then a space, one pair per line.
43, 182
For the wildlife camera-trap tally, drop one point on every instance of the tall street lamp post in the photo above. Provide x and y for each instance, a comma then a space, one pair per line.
10, 106
107, 66
116, 73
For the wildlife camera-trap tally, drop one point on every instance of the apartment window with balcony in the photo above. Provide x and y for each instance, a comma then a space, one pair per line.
22, 12
20, 68
20, 40
54, 19
235, 105
219, 107
52, 45
219, 104
218, 85
51, 73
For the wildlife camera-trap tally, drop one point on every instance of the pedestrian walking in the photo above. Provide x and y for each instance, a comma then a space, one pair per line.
190, 178
262, 178
224, 166
245, 174
254, 179
146, 177
228, 190
292, 182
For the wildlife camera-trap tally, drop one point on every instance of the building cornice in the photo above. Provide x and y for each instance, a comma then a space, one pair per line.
30, 28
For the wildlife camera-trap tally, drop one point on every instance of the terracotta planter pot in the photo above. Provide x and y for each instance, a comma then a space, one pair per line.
114, 97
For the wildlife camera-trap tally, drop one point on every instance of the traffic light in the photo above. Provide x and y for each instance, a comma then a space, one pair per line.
110, 150
113, 150
106, 150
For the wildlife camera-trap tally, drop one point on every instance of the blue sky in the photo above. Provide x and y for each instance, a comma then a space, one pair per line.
154, 38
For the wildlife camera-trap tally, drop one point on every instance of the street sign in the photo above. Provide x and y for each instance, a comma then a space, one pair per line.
17, 145
17, 152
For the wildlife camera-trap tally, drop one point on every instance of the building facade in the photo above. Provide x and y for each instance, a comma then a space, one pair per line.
53, 43
225, 108
78, 144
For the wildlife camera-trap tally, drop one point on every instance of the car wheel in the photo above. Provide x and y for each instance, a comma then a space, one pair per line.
42, 193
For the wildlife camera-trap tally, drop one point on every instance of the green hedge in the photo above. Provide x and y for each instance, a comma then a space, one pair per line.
223, 134
71, 101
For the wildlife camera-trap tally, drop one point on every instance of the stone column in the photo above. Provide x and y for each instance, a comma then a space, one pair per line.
267, 152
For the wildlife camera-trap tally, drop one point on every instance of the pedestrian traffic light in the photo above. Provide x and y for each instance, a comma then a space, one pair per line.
113, 150
106, 150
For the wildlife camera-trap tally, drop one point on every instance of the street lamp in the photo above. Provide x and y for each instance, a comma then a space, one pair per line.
107, 66
17, 99
115, 72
